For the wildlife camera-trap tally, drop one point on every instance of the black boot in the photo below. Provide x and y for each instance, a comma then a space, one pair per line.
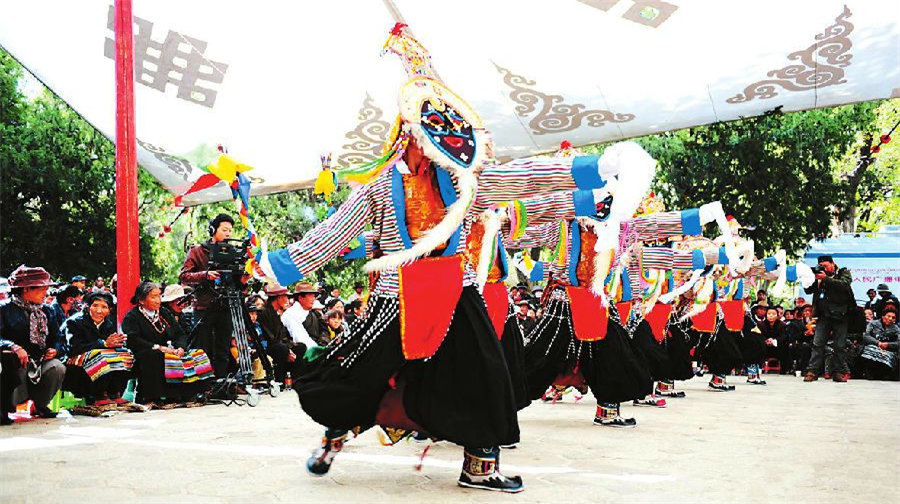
481, 469
320, 461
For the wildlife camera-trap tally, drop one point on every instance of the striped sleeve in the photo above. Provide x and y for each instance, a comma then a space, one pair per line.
546, 235
325, 241
528, 177
659, 226
548, 208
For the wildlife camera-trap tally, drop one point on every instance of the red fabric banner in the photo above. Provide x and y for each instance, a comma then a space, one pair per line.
429, 292
734, 314
624, 310
497, 300
657, 318
705, 321
589, 317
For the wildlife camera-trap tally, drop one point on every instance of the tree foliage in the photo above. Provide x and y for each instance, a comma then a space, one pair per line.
57, 196
773, 172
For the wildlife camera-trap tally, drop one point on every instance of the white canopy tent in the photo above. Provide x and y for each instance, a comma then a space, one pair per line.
281, 83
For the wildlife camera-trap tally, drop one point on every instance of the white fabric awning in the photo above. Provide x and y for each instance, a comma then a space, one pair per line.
280, 84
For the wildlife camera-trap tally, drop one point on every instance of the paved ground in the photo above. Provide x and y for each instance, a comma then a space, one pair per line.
786, 442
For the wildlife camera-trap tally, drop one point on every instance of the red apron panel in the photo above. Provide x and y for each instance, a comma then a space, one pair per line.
497, 300
589, 317
429, 292
734, 314
658, 318
705, 321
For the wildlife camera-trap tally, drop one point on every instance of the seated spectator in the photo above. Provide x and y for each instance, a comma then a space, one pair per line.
99, 284
354, 312
758, 312
774, 334
872, 299
99, 365
881, 353
526, 323
30, 367
334, 319
166, 368
79, 281
357, 295
762, 297
800, 301
287, 354
885, 298
67, 299
4, 288
869, 313
174, 298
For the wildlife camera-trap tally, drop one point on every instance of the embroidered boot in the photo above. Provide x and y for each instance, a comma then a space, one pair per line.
717, 384
481, 469
753, 375
320, 461
608, 416
667, 389
652, 400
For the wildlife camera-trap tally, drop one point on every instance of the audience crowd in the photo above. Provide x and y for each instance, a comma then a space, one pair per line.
64, 337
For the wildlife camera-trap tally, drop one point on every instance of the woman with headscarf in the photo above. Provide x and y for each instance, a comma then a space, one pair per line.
32, 370
99, 365
165, 367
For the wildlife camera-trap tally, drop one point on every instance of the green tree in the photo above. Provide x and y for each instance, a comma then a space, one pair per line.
57, 197
871, 178
773, 172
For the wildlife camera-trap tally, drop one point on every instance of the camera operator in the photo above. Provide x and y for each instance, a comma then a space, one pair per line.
214, 327
832, 302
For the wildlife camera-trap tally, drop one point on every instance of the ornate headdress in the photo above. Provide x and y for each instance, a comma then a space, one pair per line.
443, 125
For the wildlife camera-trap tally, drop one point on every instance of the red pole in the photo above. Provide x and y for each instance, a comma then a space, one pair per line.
128, 264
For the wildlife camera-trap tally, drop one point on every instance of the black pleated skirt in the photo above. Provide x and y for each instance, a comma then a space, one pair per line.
610, 367
679, 343
463, 393
654, 354
721, 351
513, 346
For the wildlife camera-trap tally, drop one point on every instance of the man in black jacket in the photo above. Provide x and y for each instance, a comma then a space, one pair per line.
832, 301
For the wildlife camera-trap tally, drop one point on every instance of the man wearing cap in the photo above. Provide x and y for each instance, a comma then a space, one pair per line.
79, 281
213, 331
31, 371
174, 299
884, 297
286, 355
357, 292
301, 319
832, 300
522, 317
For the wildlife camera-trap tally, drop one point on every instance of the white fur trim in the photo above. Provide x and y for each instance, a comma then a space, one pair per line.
456, 214
604, 231
671, 295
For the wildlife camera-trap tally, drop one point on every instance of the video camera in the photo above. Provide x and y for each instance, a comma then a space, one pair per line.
228, 257
818, 269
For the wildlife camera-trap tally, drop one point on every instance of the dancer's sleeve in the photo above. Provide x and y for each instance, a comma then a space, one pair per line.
554, 207
529, 177
324, 242
364, 248
668, 259
546, 235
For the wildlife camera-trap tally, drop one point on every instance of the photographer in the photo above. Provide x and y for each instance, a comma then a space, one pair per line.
832, 301
214, 327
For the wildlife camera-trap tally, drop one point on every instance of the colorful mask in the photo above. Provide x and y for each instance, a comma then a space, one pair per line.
444, 125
